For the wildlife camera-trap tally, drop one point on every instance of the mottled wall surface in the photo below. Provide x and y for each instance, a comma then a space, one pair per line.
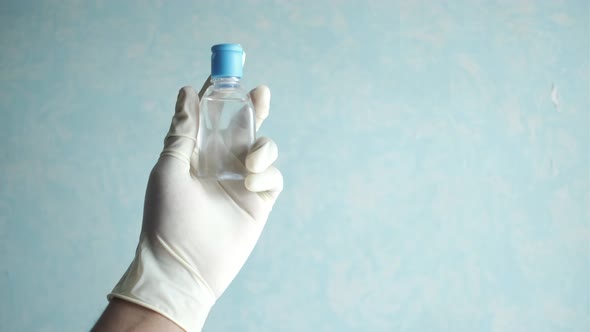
435, 155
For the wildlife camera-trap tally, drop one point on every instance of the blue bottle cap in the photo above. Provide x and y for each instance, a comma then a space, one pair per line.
227, 60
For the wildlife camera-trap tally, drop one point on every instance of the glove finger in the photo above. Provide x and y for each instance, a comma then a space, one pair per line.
261, 100
262, 155
268, 183
181, 138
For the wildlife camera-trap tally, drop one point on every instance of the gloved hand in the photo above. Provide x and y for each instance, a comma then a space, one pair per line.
197, 234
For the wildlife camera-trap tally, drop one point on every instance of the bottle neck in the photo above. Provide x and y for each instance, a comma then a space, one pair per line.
226, 82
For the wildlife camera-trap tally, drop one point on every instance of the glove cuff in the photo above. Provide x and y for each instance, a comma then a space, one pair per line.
159, 280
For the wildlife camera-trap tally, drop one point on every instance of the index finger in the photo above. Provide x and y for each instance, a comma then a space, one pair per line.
261, 100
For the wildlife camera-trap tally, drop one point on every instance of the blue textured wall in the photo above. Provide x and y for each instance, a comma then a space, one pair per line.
436, 159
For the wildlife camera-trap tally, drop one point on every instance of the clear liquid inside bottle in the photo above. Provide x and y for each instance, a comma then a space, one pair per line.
226, 130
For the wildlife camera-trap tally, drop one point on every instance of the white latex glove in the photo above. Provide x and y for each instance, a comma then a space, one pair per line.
197, 234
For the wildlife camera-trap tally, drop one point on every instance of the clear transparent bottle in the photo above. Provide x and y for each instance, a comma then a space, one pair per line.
226, 121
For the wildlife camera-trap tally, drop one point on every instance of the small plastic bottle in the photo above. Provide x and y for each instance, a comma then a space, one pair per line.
227, 126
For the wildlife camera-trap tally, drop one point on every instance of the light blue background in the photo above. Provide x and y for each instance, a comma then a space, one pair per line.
431, 184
